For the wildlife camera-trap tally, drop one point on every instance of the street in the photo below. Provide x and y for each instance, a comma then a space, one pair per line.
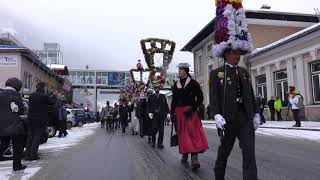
112, 156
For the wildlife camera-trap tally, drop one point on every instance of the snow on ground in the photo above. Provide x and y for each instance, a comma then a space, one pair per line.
54, 147
288, 124
287, 133
293, 134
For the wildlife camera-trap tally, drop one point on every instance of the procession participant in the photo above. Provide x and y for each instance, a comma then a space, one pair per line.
232, 100
158, 111
107, 116
186, 98
141, 115
124, 112
134, 124
147, 125
115, 116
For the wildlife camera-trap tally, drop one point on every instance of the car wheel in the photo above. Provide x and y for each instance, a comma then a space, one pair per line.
80, 123
51, 131
69, 125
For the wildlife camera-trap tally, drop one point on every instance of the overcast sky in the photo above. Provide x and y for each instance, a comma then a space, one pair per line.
105, 34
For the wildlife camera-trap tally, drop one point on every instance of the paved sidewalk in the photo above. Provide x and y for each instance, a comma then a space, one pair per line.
306, 125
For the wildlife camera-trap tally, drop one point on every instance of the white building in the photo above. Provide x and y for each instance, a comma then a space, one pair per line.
265, 27
291, 61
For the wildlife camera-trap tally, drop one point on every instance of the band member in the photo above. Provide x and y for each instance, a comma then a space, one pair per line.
186, 99
158, 111
232, 100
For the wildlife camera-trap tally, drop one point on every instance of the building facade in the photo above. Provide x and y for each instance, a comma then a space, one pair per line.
265, 28
19, 61
292, 61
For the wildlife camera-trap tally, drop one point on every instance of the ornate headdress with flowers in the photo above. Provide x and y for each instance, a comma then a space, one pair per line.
231, 31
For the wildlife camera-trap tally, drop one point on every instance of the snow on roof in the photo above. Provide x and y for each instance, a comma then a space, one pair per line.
285, 40
57, 66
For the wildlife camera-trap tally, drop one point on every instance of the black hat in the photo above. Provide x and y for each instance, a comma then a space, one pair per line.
40, 85
14, 83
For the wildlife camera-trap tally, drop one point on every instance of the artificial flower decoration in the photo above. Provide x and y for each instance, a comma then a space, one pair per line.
231, 31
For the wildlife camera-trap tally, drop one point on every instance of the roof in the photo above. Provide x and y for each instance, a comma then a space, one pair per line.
285, 40
252, 14
60, 69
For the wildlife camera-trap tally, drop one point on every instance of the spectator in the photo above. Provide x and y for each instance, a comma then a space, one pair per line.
62, 122
296, 101
278, 108
11, 125
261, 104
271, 108
37, 119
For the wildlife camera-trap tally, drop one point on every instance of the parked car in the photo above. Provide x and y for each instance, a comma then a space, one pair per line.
80, 116
91, 118
71, 120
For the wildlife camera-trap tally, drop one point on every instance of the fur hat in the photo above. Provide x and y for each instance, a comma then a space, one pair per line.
14, 83
231, 31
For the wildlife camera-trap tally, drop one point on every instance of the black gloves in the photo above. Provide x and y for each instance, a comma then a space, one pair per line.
188, 113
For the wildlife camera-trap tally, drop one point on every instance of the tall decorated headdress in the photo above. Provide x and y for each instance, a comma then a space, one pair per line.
152, 46
231, 31
137, 77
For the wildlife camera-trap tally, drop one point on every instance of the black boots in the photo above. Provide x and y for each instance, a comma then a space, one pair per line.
20, 167
184, 159
195, 162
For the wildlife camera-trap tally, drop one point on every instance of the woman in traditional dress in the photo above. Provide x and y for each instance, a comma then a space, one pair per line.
186, 99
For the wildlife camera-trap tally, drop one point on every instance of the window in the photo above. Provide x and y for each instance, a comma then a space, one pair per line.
209, 48
27, 80
200, 64
315, 73
281, 84
262, 86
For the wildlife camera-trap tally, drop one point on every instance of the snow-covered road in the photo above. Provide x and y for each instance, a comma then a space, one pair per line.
54, 147
295, 134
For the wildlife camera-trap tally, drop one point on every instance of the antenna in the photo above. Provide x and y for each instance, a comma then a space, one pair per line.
317, 13
265, 7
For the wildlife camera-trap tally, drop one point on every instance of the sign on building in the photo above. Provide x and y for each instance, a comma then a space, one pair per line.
8, 61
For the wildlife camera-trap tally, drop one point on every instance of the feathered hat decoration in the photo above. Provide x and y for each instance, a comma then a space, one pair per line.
231, 31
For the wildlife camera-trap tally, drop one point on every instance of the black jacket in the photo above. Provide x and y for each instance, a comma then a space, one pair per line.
271, 104
124, 113
10, 122
191, 95
38, 109
158, 103
216, 92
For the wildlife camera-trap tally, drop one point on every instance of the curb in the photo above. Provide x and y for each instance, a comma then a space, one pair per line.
286, 128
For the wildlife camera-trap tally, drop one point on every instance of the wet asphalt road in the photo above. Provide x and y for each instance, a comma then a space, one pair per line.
111, 156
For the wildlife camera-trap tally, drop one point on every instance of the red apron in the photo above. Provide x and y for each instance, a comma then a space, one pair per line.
192, 138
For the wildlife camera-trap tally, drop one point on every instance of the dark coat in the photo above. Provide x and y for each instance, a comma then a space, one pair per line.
10, 122
271, 104
191, 95
124, 113
216, 89
38, 109
158, 103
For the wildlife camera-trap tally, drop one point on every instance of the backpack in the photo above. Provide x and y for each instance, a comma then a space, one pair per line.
300, 104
